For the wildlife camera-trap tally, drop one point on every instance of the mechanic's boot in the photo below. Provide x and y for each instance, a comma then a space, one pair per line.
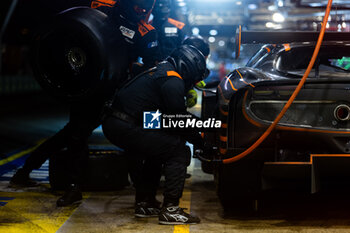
21, 178
70, 197
147, 209
174, 215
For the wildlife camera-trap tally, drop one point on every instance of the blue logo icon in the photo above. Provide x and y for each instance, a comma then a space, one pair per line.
152, 44
151, 120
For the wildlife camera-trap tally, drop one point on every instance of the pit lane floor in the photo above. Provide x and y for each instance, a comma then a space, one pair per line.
25, 122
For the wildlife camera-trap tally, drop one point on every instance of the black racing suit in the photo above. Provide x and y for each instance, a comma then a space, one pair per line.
152, 91
170, 35
85, 115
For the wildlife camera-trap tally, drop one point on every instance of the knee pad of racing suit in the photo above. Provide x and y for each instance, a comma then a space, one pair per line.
183, 154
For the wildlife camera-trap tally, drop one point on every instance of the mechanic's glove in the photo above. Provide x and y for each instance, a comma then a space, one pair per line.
191, 98
201, 84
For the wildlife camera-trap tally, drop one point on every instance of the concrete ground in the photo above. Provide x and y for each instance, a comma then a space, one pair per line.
23, 124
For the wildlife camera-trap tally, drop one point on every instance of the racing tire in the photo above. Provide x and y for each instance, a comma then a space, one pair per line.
71, 56
238, 185
207, 168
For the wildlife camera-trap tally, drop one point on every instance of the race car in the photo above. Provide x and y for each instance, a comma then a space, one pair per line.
309, 149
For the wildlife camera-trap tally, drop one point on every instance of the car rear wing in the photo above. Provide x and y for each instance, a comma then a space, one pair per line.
284, 37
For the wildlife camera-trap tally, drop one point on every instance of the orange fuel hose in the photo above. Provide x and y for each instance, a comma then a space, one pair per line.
292, 98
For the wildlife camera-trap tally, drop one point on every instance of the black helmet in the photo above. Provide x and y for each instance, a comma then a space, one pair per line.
162, 10
199, 43
136, 10
190, 63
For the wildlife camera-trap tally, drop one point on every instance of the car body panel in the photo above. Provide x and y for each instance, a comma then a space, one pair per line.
246, 93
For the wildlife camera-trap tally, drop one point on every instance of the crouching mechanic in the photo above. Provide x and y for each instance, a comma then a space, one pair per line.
85, 115
162, 88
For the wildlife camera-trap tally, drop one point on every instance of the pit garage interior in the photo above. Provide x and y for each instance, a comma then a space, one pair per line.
297, 180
